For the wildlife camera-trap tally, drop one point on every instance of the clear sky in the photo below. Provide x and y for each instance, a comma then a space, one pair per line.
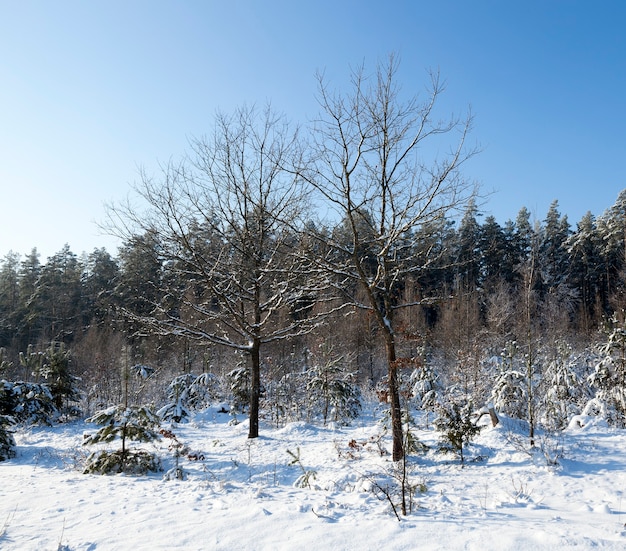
92, 90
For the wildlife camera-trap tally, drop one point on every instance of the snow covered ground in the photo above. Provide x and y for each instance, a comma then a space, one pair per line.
242, 494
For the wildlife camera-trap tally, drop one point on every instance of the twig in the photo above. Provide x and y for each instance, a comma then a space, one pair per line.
7, 521
318, 515
61, 547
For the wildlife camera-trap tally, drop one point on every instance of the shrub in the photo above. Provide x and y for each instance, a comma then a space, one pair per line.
186, 393
29, 403
7, 442
128, 423
456, 426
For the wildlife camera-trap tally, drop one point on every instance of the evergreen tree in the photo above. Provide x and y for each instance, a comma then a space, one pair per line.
32, 360
586, 271
57, 297
612, 230
456, 425
55, 370
9, 298
29, 323
514, 390
511, 256
609, 376
552, 249
524, 235
468, 250
26, 402
496, 263
4, 363
425, 387
331, 386
99, 280
7, 442
239, 382
129, 424
186, 393
562, 389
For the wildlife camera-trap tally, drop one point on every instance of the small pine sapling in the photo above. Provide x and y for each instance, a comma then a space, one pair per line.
128, 423
510, 389
456, 426
186, 393
32, 361
7, 442
202, 391
563, 388
176, 409
55, 369
288, 397
239, 379
5, 365
179, 449
28, 403
332, 386
424, 387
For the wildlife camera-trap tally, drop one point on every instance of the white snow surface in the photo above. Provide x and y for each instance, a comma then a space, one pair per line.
241, 493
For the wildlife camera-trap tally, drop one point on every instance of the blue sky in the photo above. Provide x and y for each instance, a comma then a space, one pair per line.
92, 90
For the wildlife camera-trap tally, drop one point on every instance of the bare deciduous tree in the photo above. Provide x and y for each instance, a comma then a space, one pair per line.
370, 166
227, 221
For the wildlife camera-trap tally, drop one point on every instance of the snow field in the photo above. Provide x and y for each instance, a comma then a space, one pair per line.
241, 493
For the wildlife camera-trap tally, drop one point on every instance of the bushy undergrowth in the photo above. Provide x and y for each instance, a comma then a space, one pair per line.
456, 425
7, 442
134, 462
187, 393
27, 403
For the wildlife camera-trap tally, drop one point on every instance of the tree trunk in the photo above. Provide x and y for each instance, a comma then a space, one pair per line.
493, 415
394, 397
255, 388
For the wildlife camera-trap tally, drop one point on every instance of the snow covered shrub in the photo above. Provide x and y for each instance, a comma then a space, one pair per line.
128, 423
55, 369
239, 381
456, 425
186, 393
7, 442
178, 448
28, 403
609, 377
134, 462
424, 387
44, 402
561, 388
287, 397
142, 371
177, 408
204, 389
513, 389
332, 389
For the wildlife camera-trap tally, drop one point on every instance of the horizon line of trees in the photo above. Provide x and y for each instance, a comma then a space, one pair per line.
581, 271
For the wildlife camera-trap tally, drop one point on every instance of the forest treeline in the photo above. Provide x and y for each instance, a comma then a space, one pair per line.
468, 304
